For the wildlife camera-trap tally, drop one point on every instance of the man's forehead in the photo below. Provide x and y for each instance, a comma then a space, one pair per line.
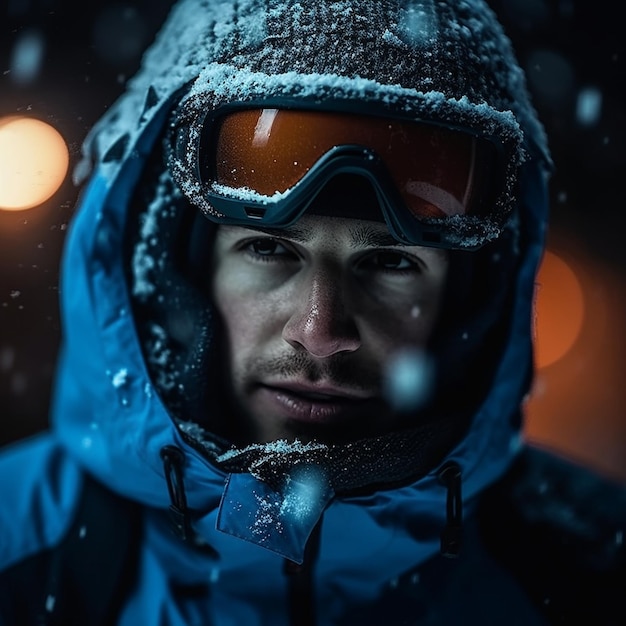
359, 233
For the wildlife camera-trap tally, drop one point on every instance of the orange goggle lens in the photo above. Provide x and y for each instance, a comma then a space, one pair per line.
437, 172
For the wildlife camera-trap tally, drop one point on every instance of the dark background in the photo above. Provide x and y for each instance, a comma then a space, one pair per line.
569, 48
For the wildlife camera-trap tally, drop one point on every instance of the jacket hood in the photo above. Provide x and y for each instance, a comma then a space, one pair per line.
447, 61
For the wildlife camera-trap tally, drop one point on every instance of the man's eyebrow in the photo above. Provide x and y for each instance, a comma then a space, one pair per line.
365, 236
361, 236
301, 235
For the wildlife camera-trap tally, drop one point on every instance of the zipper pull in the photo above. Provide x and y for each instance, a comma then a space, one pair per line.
450, 477
173, 458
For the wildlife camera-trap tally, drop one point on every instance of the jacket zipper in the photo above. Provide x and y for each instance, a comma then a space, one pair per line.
450, 476
300, 583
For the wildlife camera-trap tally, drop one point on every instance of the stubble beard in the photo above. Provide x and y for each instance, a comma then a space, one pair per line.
339, 370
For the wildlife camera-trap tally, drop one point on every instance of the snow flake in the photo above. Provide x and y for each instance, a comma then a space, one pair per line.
50, 601
120, 378
408, 379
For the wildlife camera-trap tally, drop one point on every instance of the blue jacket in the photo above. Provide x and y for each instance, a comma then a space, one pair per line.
372, 558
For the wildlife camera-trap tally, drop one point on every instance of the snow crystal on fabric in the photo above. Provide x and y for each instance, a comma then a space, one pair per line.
281, 446
247, 194
145, 261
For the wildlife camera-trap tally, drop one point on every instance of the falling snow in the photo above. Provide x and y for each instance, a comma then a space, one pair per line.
409, 378
50, 602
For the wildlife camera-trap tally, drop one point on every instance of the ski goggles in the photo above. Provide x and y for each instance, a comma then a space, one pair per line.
263, 167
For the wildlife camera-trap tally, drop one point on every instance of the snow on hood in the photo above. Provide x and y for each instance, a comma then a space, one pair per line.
106, 410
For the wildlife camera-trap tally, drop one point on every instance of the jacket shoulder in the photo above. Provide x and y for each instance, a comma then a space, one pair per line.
39, 489
82, 578
559, 528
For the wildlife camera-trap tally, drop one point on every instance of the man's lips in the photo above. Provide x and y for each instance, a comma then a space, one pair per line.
319, 390
314, 403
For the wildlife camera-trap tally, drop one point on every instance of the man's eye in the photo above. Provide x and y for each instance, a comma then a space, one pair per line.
268, 248
264, 247
389, 261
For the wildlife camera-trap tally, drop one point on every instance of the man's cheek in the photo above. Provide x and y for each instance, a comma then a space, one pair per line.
244, 338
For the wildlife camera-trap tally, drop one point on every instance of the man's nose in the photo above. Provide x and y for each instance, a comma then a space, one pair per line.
320, 321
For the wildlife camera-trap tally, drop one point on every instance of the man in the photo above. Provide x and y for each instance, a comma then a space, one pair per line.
297, 303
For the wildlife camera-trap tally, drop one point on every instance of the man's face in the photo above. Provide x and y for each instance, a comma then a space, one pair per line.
312, 315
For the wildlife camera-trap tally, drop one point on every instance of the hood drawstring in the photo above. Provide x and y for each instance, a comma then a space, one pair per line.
173, 459
450, 476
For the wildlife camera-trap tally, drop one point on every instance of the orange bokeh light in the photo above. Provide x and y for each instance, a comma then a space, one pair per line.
34, 161
577, 403
559, 310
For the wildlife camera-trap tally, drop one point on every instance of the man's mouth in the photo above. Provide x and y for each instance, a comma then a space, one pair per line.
312, 403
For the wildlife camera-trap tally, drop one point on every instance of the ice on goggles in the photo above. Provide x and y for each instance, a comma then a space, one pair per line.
436, 186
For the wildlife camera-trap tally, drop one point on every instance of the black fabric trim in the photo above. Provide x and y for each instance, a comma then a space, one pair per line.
559, 528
